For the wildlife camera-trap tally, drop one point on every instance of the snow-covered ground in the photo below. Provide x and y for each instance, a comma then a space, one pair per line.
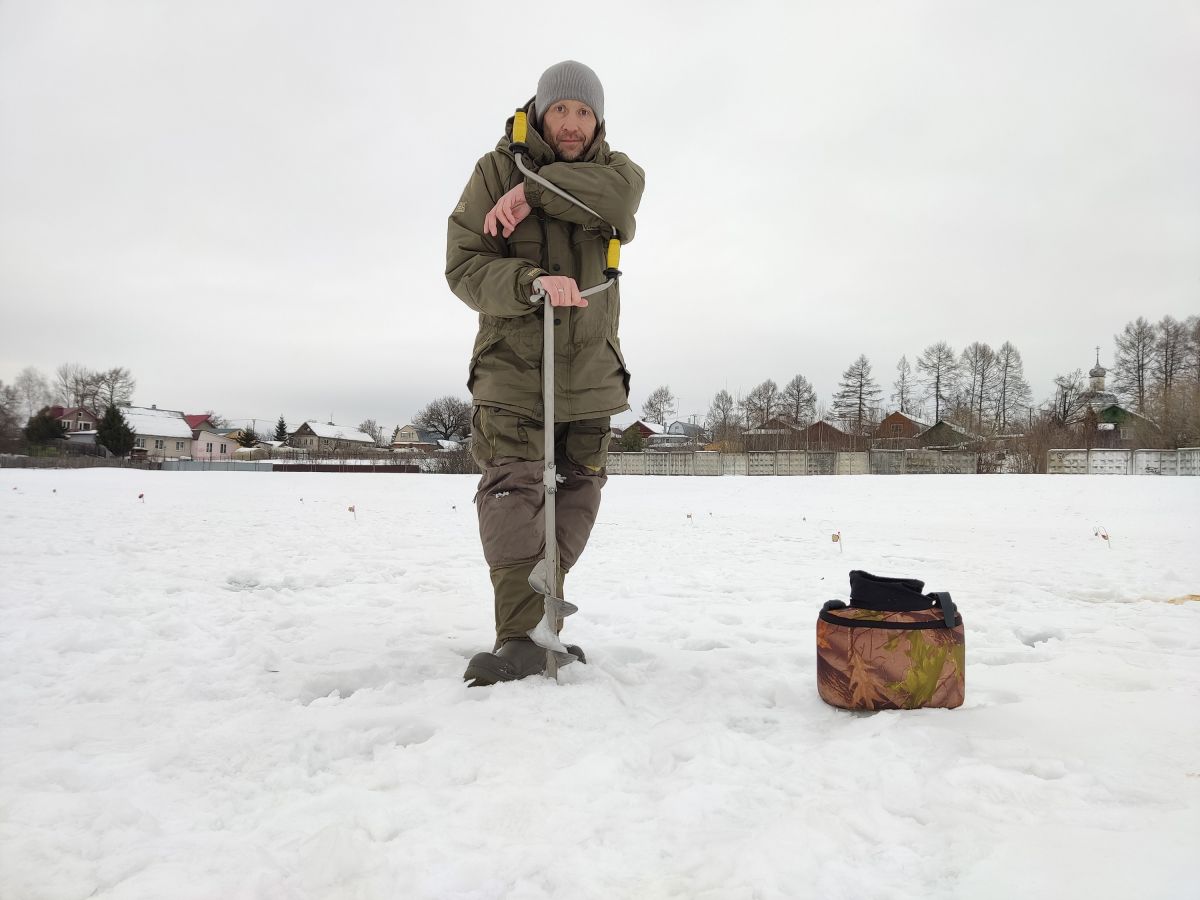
238, 688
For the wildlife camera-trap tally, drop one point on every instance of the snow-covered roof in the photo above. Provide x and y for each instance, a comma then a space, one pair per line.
339, 432
1099, 400
157, 422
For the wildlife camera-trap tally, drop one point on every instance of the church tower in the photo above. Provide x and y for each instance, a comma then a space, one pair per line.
1097, 375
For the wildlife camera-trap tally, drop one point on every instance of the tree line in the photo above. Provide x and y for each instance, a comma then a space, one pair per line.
1155, 372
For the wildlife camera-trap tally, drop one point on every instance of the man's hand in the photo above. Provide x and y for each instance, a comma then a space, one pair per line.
509, 211
560, 290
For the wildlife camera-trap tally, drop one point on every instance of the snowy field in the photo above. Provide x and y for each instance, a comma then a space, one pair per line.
237, 688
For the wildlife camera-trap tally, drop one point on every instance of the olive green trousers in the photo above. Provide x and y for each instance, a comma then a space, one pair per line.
509, 502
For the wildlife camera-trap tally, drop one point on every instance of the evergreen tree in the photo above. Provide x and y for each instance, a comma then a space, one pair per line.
249, 437
857, 396
44, 428
281, 432
114, 432
632, 440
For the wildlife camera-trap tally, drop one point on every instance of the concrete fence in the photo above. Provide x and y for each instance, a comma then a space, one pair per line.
795, 462
1185, 461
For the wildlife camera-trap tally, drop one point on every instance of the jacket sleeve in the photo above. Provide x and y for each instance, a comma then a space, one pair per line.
613, 190
477, 269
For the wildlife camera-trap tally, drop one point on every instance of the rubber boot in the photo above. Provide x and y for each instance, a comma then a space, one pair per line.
518, 658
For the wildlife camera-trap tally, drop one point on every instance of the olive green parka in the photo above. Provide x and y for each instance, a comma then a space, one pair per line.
494, 277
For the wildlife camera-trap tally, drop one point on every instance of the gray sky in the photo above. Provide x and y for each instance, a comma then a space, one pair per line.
245, 202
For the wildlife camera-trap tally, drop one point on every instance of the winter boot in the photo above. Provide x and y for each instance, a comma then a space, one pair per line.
517, 658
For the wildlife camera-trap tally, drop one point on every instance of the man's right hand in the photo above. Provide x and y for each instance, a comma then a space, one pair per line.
561, 290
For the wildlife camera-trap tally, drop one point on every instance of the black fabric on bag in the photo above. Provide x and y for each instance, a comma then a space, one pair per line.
869, 591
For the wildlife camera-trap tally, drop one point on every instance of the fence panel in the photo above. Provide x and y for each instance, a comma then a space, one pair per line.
1067, 462
789, 462
761, 463
733, 464
854, 463
658, 463
958, 462
1108, 462
681, 464
1189, 461
627, 463
821, 462
707, 462
1156, 462
887, 462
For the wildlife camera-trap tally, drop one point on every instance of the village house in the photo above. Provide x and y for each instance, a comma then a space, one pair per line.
158, 433
823, 435
944, 435
209, 444
411, 439
324, 437
773, 434
897, 431
75, 419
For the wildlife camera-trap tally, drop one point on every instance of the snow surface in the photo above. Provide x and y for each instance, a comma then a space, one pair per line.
238, 688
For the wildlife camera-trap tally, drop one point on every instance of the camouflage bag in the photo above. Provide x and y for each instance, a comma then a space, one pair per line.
892, 647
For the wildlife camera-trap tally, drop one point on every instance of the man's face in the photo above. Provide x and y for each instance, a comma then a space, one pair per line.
569, 126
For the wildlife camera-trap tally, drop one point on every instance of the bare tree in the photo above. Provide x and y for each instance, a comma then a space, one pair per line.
977, 369
447, 416
1193, 366
722, 420
1012, 390
10, 411
762, 404
1132, 362
374, 430
799, 401
857, 398
112, 388
905, 384
1069, 404
74, 385
216, 420
1170, 354
938, 367
659, 406
33, 390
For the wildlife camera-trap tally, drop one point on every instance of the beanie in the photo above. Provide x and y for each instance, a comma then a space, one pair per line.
570, 80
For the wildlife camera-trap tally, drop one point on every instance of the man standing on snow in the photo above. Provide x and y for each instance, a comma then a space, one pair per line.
504, 234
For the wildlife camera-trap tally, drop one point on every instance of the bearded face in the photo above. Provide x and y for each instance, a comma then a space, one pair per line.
569, 127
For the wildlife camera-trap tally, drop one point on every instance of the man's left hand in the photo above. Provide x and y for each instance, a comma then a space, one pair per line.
509, 211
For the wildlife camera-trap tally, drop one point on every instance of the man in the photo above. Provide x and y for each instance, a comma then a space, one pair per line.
504, 234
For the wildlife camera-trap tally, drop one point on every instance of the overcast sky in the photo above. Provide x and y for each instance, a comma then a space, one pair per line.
245, 202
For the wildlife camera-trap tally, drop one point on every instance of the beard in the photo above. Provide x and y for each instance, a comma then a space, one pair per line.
569, 153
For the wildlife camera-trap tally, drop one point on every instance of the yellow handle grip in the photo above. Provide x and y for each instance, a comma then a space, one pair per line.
520, 126
614, 254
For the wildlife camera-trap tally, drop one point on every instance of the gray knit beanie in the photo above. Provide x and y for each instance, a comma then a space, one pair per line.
570, 80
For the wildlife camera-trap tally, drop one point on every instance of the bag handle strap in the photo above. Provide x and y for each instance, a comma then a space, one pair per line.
949, 610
